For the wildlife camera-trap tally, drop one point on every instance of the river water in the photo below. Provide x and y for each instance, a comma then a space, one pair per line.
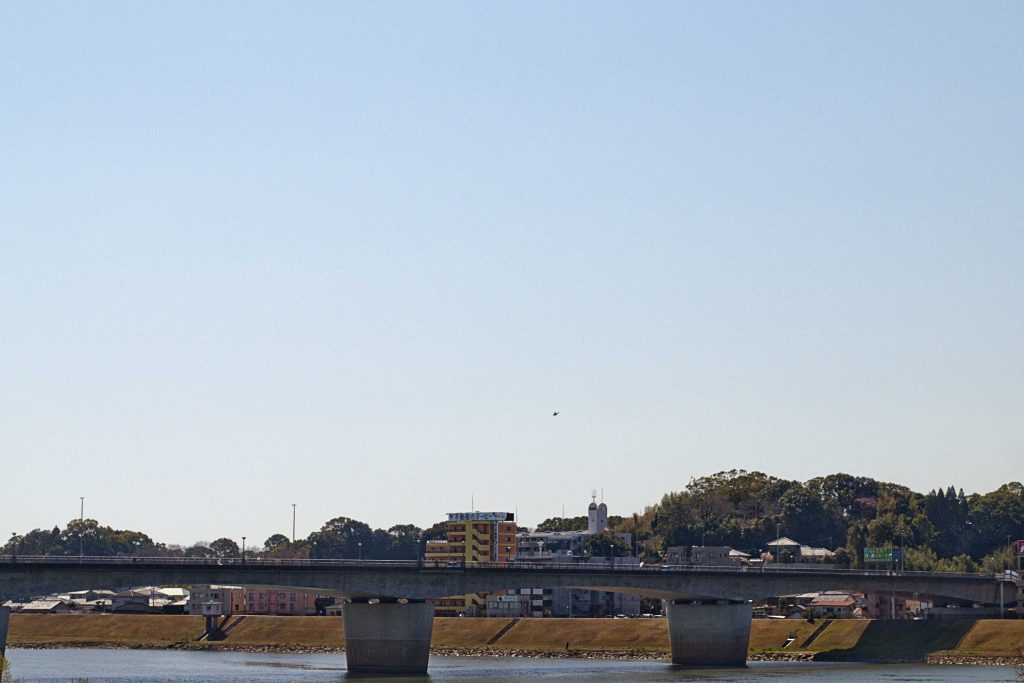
162, 666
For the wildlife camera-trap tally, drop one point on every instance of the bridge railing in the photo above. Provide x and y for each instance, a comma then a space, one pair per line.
254, 563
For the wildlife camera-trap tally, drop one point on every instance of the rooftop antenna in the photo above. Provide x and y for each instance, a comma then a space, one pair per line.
593, 495
602, 494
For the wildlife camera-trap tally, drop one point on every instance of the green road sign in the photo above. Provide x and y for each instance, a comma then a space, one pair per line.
878, 554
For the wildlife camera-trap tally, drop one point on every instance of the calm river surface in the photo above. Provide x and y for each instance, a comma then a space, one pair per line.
158, 666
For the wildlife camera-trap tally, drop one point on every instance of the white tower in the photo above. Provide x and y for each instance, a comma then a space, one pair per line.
592, 514
602, 517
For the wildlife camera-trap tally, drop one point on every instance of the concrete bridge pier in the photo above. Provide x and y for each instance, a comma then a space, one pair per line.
5, 617
388, 636
709, 633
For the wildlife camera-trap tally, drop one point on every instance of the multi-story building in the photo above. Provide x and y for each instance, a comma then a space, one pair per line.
515, 604
226, 600
277, 602
475, 537
472, 537
214, 600
562, 602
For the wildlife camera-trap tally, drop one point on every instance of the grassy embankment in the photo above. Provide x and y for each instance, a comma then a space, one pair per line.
842, 639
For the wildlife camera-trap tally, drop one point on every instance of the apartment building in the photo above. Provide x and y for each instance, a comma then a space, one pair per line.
472, 537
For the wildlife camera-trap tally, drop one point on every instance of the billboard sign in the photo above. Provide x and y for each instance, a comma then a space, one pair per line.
1020, 547
481, 517
887, 554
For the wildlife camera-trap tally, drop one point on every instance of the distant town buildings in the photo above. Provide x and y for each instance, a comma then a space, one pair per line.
555, 546
142, 600
786, 550
565, 602
568, 547
705, 555
494, 537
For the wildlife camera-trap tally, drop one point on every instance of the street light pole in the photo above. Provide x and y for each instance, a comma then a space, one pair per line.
360, 550
293, 523
81, 530
243, 549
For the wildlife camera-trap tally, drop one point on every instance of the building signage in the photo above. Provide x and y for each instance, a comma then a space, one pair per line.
480, 517
881, 554
1020, 547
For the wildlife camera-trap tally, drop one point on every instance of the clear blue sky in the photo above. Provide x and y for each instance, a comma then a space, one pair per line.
353, 256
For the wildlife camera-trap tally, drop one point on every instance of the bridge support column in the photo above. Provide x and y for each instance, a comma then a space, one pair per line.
5, 616
388, 637
708, 633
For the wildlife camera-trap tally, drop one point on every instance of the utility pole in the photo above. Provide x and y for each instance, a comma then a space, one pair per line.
293, 523
636, 535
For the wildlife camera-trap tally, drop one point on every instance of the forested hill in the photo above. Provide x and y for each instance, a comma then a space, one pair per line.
943, 529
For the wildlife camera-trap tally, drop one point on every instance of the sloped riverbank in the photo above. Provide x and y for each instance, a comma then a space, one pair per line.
946, 642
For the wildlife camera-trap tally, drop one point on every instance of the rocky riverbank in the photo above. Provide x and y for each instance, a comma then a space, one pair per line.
975, 660
199, 647
551, 654
505, 653
781, 656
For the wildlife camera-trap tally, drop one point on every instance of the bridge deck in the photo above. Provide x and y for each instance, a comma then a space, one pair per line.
21, 575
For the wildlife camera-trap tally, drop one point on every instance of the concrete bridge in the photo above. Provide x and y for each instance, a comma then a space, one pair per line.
388, 616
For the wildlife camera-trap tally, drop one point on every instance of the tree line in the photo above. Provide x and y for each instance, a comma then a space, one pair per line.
340, 538
942, 530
